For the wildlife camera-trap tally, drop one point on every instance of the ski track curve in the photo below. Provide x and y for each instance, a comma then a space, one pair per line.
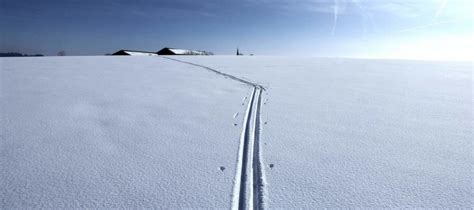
218, 72
249, 182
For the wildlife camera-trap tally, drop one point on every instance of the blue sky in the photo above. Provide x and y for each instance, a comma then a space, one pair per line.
417, 29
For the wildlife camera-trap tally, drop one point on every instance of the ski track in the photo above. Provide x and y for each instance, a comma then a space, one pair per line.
258, 168
218, 72
245, 181
249, 182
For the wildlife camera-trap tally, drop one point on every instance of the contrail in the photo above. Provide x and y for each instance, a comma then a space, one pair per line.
365, 14
441, 8
336, 8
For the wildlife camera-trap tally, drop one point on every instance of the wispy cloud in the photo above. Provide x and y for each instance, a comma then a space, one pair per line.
392, 13
336, 8
441, 7
398, 8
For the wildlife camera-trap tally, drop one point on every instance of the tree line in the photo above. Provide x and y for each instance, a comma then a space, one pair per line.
16, 54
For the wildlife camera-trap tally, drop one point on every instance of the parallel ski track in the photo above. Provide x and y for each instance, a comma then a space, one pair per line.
249, 184
243, 161
258, 168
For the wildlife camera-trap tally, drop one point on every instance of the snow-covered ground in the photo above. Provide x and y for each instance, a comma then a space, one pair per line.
362, 133
152, 132
116, 132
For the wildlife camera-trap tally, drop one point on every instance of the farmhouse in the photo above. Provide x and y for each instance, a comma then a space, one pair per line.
174, 51
134, 53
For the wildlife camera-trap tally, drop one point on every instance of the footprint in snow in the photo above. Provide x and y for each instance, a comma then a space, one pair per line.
236, 114
222, 168
235, 124
271, 165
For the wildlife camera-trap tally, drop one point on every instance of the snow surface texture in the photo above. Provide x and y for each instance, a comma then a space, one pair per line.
105, 132
362, 133
151, 132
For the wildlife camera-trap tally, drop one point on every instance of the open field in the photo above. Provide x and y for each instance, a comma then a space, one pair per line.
230, 132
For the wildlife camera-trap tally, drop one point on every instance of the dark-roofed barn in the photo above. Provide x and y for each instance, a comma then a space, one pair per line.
174, 51
134, 53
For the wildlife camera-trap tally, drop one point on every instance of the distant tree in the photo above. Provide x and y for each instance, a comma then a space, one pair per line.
11, 54
62, 53
16, 54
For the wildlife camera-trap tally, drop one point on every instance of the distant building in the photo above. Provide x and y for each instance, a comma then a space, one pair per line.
134, 53
238, 52
174, 51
